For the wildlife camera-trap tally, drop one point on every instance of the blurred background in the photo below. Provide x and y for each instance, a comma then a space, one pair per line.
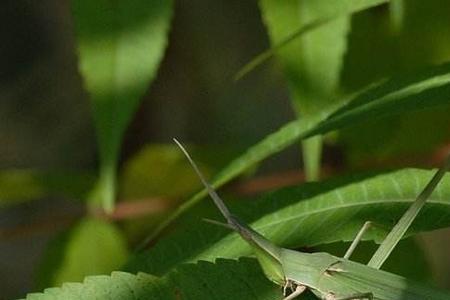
48, 156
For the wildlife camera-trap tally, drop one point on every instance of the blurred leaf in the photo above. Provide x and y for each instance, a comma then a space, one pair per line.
421, 90
120, 46
327, 13
312, 63
397, 14
91, 247
419, 42
158, 170
204, 280
412, 134
17, 186
157, 173
307, 215
426, 26
437, 246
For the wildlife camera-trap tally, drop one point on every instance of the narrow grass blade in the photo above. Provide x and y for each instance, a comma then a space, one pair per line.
399, 230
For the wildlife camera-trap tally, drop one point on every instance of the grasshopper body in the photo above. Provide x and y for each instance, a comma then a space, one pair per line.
327, 276
331, 277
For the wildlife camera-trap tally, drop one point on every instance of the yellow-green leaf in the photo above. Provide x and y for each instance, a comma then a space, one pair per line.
91, 247
120, 45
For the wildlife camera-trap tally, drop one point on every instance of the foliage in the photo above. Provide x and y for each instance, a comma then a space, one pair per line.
200, 281
307, 215
106, 252
392, 97
17, 186
120, 46
381, 108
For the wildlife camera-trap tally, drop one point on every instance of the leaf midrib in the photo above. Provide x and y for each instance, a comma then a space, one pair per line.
333, 208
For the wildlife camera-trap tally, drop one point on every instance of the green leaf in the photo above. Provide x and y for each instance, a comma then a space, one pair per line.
120, 46
413, 135
418, 91
397, 14
119, 285
153, 172
312, 63
401, 94
310, 39
408, 137
307, 215
17, 186
326, 13
160, 175
204, 280
91, 247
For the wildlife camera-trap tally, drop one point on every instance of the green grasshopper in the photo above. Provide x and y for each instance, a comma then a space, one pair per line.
327, 276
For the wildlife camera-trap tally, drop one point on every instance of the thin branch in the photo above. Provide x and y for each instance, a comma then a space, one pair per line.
136, 208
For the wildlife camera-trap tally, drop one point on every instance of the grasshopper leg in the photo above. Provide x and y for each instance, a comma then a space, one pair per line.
359, 296
368, 296
357, 239
299, 289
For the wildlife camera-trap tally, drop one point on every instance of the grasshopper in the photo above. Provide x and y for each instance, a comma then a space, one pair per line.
327, 276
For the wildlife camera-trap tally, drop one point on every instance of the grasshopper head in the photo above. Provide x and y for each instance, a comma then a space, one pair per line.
271, 267
268, 254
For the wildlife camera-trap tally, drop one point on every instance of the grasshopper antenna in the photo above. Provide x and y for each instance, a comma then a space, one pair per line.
233, 223
214, 222
219, 203
268, 252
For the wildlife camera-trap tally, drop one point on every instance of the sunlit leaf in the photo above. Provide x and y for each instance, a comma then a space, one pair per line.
120, 45
157, 170
307, 215
312, 63
91, 247
327, 13
417, 91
